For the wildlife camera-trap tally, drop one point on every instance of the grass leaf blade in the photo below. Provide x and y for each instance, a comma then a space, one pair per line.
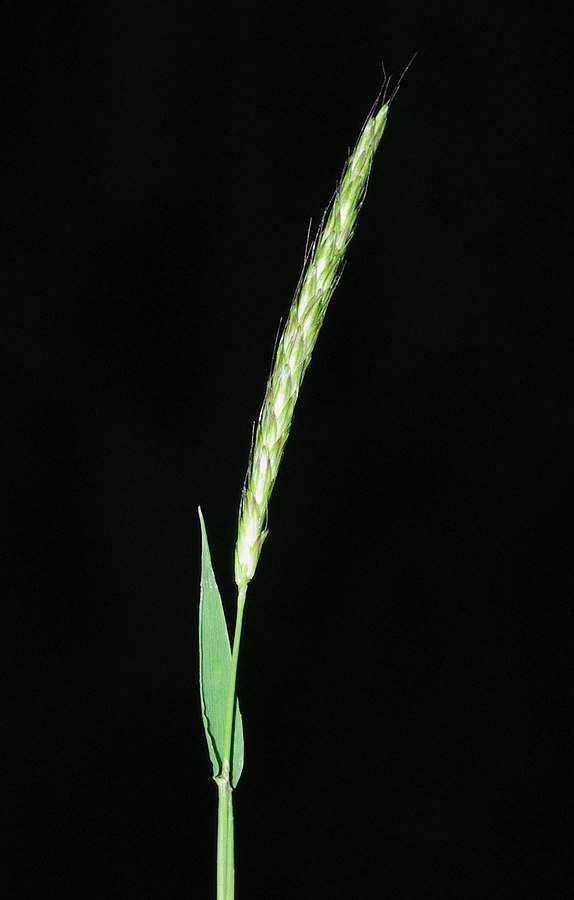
214, 668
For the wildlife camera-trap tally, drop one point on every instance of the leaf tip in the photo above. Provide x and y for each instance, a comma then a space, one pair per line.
201, 520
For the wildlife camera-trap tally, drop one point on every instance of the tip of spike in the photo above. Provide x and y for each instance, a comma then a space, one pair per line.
382, 114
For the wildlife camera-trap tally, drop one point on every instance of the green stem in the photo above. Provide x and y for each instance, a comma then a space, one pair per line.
231, 693
230, 874
225, 836
225, 801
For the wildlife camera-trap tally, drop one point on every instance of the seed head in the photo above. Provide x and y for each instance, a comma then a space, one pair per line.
318, 281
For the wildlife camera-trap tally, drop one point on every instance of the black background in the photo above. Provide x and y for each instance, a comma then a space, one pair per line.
402, 665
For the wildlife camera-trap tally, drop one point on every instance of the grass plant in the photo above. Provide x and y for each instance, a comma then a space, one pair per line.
218, 661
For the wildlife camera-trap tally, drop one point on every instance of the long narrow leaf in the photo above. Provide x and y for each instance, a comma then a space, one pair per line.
214, 668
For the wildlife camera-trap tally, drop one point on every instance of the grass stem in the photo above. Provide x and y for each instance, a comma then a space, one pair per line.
225, 826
